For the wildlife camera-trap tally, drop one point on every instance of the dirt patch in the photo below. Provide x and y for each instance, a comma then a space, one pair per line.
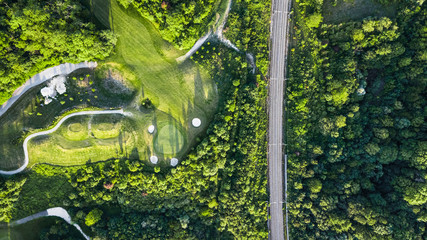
83, 82
115, 83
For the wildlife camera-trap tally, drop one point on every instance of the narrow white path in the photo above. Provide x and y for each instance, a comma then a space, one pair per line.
196, 46
218, 34
54, 212
27, 139
39, 78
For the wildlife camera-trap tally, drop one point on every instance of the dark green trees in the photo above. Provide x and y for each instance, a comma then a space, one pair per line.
179, 22
40, 34
356, 116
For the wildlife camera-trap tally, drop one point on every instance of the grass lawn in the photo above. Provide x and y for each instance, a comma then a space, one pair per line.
169, 140
171, 87
4, 233
355, 10
85, 146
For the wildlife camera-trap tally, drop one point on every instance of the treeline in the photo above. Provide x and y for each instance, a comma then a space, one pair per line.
40, 34
179, 22
357, 143
249, 29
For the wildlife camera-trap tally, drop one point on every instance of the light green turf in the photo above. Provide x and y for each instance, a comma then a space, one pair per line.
169, 140
116, 141
74, 129
105, 130
172, 88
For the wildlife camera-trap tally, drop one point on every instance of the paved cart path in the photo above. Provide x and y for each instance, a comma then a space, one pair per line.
54, 212
27, 139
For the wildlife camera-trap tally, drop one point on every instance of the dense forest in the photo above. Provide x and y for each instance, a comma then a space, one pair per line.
36, 35
356, 125
217, 192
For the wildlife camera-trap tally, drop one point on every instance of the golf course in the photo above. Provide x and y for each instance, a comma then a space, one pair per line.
141, 70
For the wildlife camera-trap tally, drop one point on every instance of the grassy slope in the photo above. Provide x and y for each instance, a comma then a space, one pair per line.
59, 150
170, 86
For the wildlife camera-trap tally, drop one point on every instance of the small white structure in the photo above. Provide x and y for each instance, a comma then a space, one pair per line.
151, 129
60, 88
196, 122
54, 87
46, 91
174, 162
154, 159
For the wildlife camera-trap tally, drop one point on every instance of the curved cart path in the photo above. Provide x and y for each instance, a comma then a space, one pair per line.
54, 212
27, 139
39, 78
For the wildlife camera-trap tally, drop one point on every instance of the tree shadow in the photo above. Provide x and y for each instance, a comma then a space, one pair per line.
199, 90
134, 155
120, 139
102, 12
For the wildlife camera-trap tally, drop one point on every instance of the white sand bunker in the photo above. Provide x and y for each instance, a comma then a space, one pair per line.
196, 122
174, 162
151, 128
54, 87
154, 159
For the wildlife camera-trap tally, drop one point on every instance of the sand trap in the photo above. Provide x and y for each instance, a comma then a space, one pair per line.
174, 162
151, 129
196, 122
154, 159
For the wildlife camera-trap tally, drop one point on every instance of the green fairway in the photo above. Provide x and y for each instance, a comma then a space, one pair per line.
171, 87
169, 140
104, 127
75, 130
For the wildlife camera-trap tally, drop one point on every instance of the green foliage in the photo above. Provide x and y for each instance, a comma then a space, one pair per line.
356, 157
248, 28
9, 194
314, 185
313, 21
39, 35
93, 217
179, 22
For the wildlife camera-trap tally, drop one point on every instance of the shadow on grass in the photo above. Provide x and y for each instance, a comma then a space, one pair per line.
134, 155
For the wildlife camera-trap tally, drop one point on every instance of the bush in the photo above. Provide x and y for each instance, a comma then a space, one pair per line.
93, 217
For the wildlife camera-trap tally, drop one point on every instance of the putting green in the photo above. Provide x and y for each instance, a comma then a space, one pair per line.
75, 131
106, 130
169, 140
